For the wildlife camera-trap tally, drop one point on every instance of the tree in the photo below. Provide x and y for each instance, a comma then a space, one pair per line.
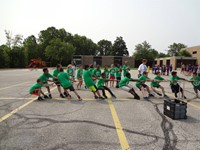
175, 48
144, 51
4, 56
104, 48
31, 48
17, 57
59, 52
185, 53
119, 47
161, 55
84, 46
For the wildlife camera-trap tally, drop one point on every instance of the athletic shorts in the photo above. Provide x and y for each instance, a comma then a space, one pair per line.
118, 78
112, 78
35, 92
141, 85
176, 88
71, 88
93, 88
126, 88
57, 82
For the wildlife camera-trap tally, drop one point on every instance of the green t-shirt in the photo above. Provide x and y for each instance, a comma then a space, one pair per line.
112, 72
70, 72
63, 77
79, 73
97, 72
55, 73
35, 86
118, 72
125, 68
45, 77
91, 70
100, 82
107, 73
174, 80
156, 84
87, 76
125, 81
196, 81
143, 79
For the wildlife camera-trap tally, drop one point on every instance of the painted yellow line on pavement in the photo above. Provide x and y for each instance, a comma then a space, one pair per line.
13, 86
92, 99
119, 129
189, 103
19, 108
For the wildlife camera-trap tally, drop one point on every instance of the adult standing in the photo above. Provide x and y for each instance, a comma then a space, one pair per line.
142, 68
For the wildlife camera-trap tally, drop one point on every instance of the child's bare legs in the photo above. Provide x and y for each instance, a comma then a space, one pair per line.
77, 95
132, 91
59, 89
143, 92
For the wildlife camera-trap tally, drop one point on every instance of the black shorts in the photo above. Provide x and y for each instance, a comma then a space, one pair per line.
71, 88
142, 85
196, 88
176, 88
119, 78
57, 82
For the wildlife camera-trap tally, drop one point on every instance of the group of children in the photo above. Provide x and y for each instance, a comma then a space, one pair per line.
95, 80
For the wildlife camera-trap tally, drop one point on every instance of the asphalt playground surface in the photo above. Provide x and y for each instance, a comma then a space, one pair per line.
112, 124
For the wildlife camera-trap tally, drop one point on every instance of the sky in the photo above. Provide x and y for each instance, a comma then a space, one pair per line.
159, 22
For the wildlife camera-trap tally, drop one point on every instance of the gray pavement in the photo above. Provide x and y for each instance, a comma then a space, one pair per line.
69, 124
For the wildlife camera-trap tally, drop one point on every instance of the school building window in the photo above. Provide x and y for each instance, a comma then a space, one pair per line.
194, 52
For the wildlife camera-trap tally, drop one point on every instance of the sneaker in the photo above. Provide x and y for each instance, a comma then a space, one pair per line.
66, 94
166, 96
105, 97
136, 97
96, 97
101, 98
79, 98
40, 98
62, 96
146, 98
175, 95
184, 97
159, 94
151, 95
45, 96
50, 96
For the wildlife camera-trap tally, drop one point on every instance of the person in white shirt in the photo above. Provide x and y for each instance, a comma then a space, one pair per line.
142, 68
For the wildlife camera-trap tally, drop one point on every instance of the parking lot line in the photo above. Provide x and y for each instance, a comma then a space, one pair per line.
119, 129
92, 99
2, 98
13, 85
189, 103
19, 108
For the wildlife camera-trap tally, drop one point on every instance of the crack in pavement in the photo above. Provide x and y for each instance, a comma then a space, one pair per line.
167, 128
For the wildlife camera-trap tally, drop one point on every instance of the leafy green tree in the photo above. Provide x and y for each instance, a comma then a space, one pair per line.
4, 56
84, 46
104, 48
119, 47
161, 55
31, 48
175, 48
144, 51
59, 52
185, 53
17, 57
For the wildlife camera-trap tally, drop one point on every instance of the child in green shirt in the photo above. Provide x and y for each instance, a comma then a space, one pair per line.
174, 84
101, 86
118, 71
89, 82
155, 84
79, 76
106, 71
196, 83
64, 79
70, 71
55, 74
97, 72
123, 84
45, 78
112, 75
141, 85
36, 89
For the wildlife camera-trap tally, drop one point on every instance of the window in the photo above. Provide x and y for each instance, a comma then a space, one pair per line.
194, 52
